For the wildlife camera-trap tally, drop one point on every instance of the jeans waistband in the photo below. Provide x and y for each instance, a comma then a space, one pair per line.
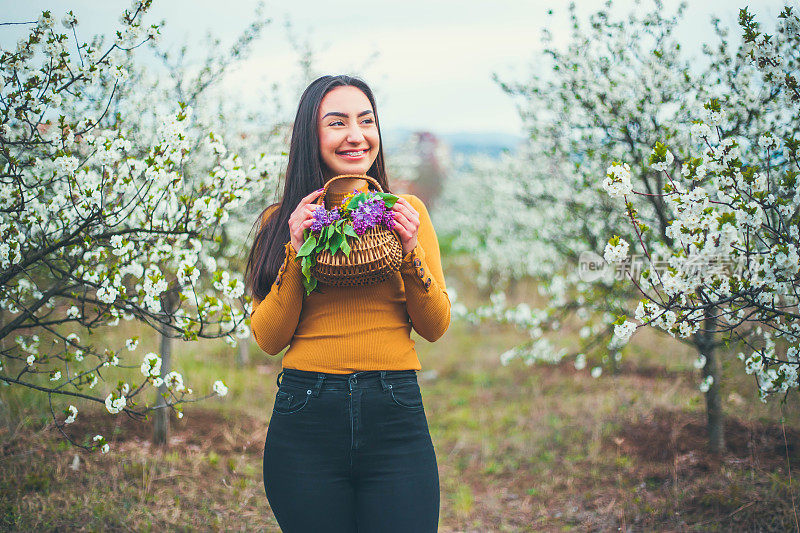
315, 381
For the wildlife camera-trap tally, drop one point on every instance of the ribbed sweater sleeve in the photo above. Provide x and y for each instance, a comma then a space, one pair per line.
427, 301
274, 319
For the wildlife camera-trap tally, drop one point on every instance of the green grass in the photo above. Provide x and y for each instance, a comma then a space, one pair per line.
519, 448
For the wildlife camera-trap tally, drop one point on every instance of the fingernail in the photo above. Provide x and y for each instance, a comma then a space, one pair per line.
318, 190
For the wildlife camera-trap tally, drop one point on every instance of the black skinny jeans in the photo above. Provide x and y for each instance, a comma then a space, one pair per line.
351, 453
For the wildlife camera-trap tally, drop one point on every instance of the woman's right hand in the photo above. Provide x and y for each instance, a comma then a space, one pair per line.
302, 218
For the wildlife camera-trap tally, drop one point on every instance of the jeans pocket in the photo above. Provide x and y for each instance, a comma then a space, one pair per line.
406, 395
287, 403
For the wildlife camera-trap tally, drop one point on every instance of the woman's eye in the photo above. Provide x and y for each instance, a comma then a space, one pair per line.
368, 121
336, 123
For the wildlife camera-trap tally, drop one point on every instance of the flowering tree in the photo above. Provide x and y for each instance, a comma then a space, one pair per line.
103, 219
542, 211
618, 88
727, 263
250, 136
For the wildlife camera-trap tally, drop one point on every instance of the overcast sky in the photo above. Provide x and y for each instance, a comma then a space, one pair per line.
429, 61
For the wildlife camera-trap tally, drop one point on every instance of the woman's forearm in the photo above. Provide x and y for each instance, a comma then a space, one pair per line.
274, 319
427, 301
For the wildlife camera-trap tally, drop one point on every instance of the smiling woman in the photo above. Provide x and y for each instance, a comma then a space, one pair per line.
348, 447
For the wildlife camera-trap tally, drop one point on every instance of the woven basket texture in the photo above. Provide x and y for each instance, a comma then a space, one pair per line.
373, 257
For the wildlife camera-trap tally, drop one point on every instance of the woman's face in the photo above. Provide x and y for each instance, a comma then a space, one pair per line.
348, 136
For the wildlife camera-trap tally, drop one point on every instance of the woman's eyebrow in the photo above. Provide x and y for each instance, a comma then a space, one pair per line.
344, 115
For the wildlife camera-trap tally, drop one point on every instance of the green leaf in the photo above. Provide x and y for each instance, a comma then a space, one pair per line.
356, 200
388, 198
322, 242
310, 285
309, 245
308, 263
726, 218
336, 242
348, 230
346, 248
303, 268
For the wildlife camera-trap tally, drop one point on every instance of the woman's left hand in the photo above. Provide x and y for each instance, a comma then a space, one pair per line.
406, 225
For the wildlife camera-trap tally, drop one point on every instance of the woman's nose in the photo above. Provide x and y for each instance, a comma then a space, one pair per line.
354, 134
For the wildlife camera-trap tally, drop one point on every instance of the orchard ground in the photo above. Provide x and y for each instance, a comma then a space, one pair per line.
519, 448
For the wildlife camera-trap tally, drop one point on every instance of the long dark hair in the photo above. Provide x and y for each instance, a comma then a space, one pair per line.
304, 174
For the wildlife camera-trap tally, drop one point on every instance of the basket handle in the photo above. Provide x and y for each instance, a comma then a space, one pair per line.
321, 198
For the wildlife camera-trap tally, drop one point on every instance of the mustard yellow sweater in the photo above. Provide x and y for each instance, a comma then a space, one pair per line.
349, 329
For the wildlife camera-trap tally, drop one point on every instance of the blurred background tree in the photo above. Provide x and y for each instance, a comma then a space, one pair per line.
618, 86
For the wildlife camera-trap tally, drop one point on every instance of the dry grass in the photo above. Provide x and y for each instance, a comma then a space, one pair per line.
519, 448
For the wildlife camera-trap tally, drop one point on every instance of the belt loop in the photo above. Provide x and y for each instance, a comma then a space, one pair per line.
318, 386
278, 379
384, 386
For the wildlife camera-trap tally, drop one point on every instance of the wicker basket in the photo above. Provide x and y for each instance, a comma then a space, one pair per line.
373, 258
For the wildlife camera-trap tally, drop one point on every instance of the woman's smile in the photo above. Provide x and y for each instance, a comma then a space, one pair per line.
353, 155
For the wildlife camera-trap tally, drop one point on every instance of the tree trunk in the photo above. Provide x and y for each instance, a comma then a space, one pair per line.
715, 424
613, 362
5, 410
169, 301
161, 418
243, 352
5, 415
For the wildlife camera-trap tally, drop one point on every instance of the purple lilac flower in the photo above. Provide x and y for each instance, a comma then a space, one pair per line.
371, 213
323, 218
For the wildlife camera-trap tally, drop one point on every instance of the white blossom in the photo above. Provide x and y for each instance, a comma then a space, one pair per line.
617, 182
699, 131
623, 332
665, 165
73, 414
151, 366
616, 253
115, 403
768, 141
69, 20
174, 381
219, 388
104, 447
706, 383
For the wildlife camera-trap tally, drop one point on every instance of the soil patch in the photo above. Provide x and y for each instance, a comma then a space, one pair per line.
670, 437
199, 429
